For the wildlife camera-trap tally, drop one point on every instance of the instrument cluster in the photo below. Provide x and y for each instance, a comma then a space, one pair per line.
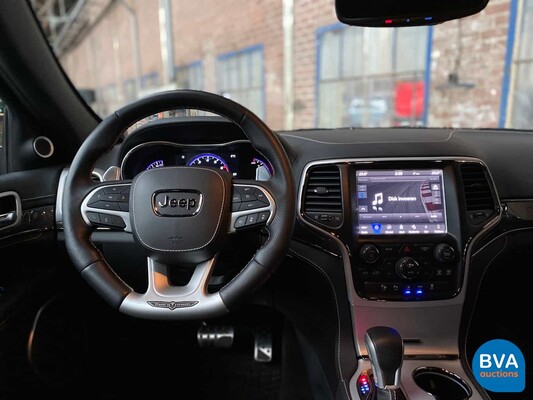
238, 158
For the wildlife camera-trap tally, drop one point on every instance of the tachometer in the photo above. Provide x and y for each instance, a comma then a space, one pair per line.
209, 160
156, 164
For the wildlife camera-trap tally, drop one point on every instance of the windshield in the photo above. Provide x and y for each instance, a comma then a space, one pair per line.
296, 66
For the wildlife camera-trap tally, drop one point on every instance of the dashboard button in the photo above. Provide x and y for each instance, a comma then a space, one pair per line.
407, 268
406, 249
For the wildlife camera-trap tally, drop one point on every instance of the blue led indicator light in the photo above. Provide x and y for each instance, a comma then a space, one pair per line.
419, 291
428, 18
407, 292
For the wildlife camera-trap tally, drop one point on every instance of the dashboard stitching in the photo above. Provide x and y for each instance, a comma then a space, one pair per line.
344, 143
219, 217
312, 263
38, 197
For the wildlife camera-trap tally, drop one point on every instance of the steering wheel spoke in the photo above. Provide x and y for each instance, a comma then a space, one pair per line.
165, 301
108, 206
252, 205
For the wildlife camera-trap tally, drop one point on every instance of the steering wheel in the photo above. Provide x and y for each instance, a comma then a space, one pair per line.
180, 216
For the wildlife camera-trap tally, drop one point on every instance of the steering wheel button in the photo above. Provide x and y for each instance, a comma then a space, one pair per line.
244, 189
123, 197
249, 205
93, 217
124, 207
241, 221
105, 205
261, 197
236, 198
248, 197
98, 196
114, 189
111, 197
112, 221
252, 219
263, 217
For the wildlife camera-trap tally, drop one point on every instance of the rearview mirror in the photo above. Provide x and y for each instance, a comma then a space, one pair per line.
395, 13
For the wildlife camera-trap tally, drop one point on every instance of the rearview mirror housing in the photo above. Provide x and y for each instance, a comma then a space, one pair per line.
397, 13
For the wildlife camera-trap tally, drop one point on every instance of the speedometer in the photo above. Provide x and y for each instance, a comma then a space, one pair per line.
209, 160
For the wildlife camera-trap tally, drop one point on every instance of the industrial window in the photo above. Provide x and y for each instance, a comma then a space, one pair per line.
240, 77
190, 76
521, 101
371, 77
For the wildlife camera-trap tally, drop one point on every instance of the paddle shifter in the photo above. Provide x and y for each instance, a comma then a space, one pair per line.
385, 350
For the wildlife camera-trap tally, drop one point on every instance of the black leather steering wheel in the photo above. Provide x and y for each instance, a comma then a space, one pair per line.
179, 215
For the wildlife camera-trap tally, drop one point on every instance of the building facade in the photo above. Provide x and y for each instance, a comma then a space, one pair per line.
296, 66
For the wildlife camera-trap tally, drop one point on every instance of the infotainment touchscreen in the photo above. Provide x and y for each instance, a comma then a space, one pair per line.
400, 202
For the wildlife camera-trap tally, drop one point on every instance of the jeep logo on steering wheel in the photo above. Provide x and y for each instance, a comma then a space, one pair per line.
176, 203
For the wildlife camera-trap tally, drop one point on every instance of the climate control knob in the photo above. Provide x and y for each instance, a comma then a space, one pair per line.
407, 268
444, 253
369, 253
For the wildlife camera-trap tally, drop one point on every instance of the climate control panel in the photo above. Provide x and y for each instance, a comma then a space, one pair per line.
407, 271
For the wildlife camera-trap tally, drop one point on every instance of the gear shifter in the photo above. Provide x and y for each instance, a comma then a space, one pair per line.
385, 349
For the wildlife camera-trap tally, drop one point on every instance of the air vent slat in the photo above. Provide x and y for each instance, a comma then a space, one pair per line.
479, 197
322, 200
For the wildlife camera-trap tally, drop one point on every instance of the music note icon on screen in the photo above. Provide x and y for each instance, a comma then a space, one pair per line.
378, 200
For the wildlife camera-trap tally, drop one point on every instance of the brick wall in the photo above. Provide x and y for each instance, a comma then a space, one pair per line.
205, 29
479, 59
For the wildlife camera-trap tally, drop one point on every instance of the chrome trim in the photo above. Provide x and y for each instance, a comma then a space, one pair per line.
59, 198
98, 173
85, 208
409, 386
161, 301
113, 173
173, 144
424, 310
237, 214
17, 210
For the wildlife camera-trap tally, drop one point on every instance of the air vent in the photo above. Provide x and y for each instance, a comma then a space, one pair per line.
479, 197
322, 201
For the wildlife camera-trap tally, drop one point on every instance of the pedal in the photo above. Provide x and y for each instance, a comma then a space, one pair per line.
263, 346
221, 337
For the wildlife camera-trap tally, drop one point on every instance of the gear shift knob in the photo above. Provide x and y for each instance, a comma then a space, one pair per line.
385, 349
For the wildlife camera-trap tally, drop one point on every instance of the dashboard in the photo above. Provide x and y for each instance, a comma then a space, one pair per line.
401, 222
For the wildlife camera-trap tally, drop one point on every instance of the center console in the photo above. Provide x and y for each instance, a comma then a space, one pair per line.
406, 243
405, 229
